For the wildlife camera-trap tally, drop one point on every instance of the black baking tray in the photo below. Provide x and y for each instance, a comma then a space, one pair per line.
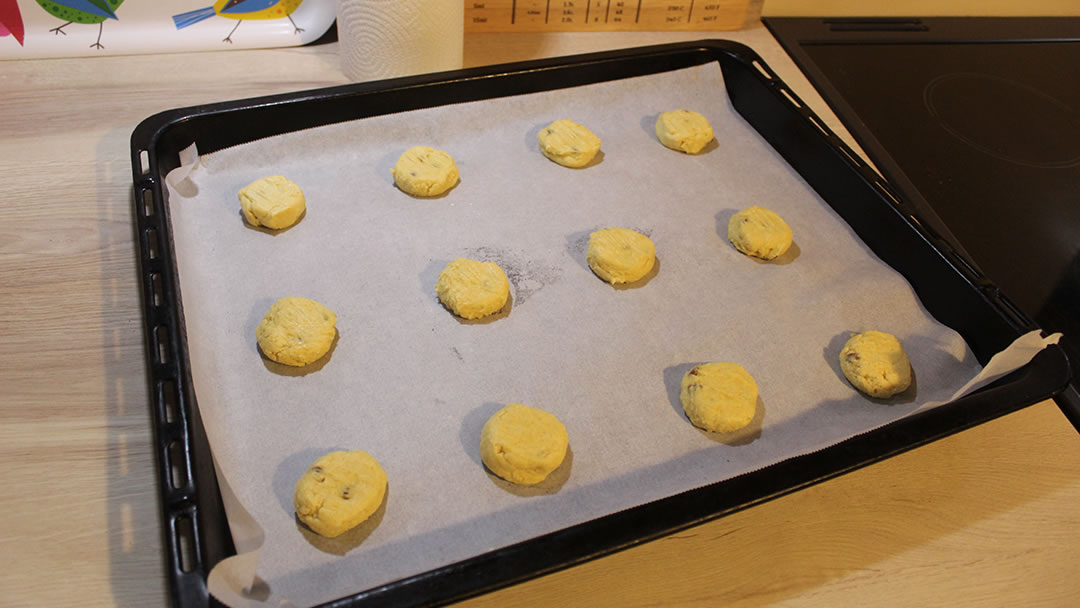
196, 534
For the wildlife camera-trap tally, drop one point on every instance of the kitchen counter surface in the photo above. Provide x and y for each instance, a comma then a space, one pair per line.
987, 517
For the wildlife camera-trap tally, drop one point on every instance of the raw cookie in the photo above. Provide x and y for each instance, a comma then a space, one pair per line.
274, 202
424, 171
719, 397
472, 289
296, 331
684, 130
874, 362
620, 255
339, 491
568, 143
759, 232
523, 444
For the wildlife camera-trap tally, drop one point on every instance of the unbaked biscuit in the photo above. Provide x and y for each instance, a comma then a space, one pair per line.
684, 130
424, 171
273, 202
875, 363
759, 232
339, 491
620, 255
296, 331
568, 143
472, 289
523, 444
719, 397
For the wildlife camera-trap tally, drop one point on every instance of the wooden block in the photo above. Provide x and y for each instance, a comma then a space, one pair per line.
603, 15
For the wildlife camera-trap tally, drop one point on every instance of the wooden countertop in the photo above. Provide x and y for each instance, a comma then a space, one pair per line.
987, 517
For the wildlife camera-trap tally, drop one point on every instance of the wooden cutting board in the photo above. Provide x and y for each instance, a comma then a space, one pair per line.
603, 15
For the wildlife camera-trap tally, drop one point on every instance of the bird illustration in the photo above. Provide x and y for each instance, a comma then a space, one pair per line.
82, 11
11, 20
241, 10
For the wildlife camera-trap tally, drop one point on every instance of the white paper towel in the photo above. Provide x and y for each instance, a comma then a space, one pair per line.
388, 38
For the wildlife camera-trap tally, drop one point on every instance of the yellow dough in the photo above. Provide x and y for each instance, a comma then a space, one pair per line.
274, 202
719, 397
296, 331
875, 363
759, 232
424, 171
684, 130
472, 289
568, 143
339, 491
523, 444
620, 255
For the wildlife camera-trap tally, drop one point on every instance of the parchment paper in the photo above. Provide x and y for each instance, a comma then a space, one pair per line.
412, 384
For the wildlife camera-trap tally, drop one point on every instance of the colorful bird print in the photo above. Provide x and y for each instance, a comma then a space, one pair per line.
241, 10
82, 11
11, 20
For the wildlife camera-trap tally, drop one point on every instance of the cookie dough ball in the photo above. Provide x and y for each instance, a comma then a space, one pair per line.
274, 202
339, 491
620, 255
296, 331
424, 171
719, 397
875, 363
759, 232
568, 143
684, 130
472, 289
523, 444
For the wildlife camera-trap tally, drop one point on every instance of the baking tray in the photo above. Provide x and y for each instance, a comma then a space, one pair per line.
196, 533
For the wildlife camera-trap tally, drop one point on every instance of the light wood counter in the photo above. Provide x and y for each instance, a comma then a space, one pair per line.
987, 517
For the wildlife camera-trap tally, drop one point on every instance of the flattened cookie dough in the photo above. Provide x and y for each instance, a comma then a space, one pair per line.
339, 491
620, 255
759, 232
274, 202
719, 397
684, 130
472, 289
523, 444
296, 331
875, 363
568, 143
424, 171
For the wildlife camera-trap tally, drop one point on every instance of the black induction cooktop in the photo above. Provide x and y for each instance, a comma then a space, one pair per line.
976, 121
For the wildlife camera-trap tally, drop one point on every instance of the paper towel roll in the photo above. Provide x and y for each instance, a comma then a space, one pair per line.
387, 38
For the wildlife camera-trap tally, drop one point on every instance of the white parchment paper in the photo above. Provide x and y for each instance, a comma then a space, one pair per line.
411, 384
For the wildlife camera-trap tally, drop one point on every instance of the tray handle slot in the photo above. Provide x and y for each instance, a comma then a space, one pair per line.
178, 470
791, 97
186, 543
765, 71
156, 290
144, 161
148, 202
161, 341
169, 399
151, 238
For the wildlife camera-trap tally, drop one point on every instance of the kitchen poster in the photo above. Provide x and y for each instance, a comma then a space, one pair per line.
86, 28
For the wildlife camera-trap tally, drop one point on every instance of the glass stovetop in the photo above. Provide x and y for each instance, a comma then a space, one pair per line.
980, 120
